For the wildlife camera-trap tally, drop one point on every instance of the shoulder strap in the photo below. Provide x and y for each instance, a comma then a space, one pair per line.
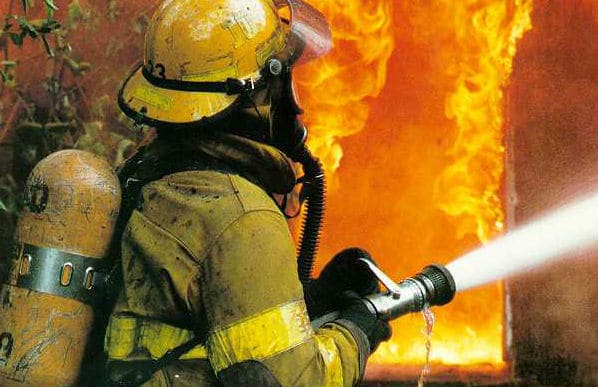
135, 373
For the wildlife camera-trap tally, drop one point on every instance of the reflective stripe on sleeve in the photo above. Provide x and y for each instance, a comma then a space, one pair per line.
125, 334
330, 354
260, 336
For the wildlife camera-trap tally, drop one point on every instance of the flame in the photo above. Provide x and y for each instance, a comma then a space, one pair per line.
363, 43
469, 187
422, 183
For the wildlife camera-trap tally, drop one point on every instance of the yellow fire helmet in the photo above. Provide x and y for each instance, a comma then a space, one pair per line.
202, 55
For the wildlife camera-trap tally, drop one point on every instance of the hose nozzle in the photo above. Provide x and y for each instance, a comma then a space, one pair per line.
439, 283
434, 285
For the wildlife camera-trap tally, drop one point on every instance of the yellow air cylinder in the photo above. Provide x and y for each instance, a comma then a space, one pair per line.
72, 199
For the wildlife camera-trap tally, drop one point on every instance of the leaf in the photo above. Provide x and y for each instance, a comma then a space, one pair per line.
17, 39
93, 139
50, 4
2, 206
27, 28
75, 14
47, 46
77, 68
7, 24
51, 25
7, 77
37, 24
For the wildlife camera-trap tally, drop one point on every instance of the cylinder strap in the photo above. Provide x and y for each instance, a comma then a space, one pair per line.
126, 334
63, 274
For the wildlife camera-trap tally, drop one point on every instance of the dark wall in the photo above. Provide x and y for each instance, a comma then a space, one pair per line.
553, 119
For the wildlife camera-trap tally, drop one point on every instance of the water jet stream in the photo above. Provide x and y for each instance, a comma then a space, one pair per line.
569, 230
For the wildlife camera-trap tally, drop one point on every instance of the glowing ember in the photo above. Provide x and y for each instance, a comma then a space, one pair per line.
422, 182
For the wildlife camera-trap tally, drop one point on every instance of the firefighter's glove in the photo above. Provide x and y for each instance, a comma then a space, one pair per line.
357, 312
343, 273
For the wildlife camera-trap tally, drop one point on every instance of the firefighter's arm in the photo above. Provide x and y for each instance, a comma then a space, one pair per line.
259, 330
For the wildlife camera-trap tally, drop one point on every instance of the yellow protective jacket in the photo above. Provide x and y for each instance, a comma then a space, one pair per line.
207, 252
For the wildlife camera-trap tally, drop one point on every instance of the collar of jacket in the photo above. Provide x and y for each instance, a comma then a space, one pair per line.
260, 163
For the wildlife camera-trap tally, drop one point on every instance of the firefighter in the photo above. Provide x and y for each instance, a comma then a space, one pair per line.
210, 290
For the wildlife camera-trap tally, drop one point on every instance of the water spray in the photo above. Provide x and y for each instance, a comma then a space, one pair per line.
566, 231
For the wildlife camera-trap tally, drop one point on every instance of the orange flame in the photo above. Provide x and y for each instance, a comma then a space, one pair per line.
431, 183
469, 187
363, 43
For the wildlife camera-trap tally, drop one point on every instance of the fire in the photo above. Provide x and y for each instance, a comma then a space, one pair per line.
469, 187
363, 41
422, 181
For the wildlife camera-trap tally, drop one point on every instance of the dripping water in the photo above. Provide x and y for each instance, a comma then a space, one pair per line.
429, 320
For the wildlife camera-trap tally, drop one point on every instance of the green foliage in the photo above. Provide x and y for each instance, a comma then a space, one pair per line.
50, 5
75, 15
18, 28
112, 146
43, 107
57, 124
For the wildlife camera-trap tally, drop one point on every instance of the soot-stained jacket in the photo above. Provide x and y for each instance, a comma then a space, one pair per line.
208, 253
